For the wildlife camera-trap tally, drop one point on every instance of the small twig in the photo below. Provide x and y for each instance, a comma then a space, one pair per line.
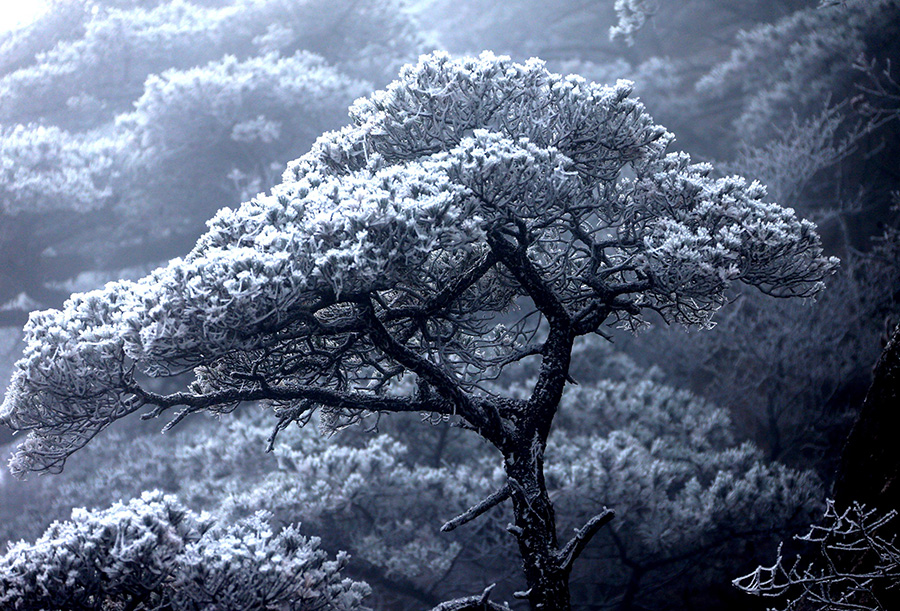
571, 551
476, 510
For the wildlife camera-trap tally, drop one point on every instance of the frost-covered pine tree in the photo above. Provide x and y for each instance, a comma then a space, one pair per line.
381, 275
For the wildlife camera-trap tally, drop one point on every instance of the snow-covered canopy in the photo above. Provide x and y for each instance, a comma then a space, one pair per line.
407, 221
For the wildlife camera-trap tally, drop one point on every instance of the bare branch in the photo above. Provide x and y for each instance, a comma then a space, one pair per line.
478, 602
571, 551
476, 510
448, 388
515, 258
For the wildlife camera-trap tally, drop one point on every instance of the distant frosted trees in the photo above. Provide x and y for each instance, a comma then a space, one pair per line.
102, 57
107, 109
220, 132
813, 95
47, 173
804, 61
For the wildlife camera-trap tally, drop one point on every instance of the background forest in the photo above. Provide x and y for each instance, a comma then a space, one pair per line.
126, 124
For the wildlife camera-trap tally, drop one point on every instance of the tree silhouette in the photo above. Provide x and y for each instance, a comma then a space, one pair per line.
476, 214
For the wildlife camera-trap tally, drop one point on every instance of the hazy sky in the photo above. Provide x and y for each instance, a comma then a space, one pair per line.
18, 12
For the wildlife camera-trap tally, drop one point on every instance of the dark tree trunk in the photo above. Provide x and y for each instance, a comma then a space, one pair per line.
535, 529
869, 471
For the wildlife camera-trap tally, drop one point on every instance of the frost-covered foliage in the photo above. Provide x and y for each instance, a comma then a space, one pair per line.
632, 15
200, 467
803, 62
817, 123
367, 40
109, 193
44, 169
458, 165
789, 161
797, 370
154, 553
670, 18
519, 28
247, 566
358, 492
84, 80
683, 490
381, 274
53, 185
224, 129
385, 511
854, 564
20, 46
103, 71
687, 495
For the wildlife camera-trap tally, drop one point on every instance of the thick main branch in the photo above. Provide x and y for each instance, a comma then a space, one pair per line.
556, 351
320, 396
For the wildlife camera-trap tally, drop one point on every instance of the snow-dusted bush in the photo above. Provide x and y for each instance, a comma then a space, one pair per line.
154, 553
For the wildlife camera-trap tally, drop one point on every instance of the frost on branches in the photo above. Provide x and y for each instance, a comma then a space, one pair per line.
855, 565
372, 278
154, 553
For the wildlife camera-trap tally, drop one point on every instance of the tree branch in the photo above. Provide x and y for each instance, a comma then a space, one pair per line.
572, 550
526, 351
590, 318
516, 260
428, 371
478, 602
321, 396
557, 347
476, 510
456, 287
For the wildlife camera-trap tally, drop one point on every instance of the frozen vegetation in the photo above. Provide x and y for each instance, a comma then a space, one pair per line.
497, 340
